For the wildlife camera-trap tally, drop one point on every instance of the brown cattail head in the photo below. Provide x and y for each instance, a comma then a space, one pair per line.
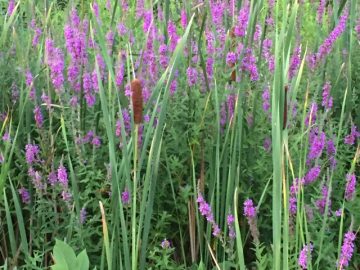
233, 74
137, 100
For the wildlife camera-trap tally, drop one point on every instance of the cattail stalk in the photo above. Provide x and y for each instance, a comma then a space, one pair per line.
137, 102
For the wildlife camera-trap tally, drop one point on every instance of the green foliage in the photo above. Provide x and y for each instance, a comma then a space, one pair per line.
65, 258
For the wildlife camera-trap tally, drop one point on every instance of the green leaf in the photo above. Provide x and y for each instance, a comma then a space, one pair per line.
83, 261
64, 256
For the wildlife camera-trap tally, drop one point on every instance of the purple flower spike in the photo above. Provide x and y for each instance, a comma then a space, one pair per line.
25, 195
125, 196
62, 176
303, 257
347, 250
165, 244
32, 152
350, 186
249, 209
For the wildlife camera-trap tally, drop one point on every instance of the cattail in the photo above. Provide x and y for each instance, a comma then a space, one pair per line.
137, 100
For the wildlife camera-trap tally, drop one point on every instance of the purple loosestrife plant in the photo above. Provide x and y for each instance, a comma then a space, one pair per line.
250, 214
62, 176
39, 120
326, 47
305, 256
320, 11
25, 195
317, 144
230, 222
55, 61
312, 175
231, 58
249, 65
125, 197
183, 18
327, 100
266, 99
165, 244
191, 73
243, 19
295, 62
351, 138
347, 250
350, 186
206, 211
11, 7
321, 203
32, 153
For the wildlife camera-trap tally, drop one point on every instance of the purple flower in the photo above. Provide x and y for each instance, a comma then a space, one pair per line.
295, 62
250, 214
312, 175
243, 19
191, 76
66, 196
327, 100
303, 256
210, 42
125, 196
267, 144
217, 12
55, 61
110, 40
249, 64
121, 28
249, 209
205, 208
183, 18
62, 176
52, 178
357, 28
38, 117
83, 214
231, 58
266, 99
321, 203
338, 212
36, 37
347, 250
326, 47
350, 186
6, 137
216, 230
210, 67
96, 141
174, 38
173, 87
257, 33
230, 222
32, 151
11, 7
25, 195
266, 51
317, 144
320, 11
354, 134
165, 244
